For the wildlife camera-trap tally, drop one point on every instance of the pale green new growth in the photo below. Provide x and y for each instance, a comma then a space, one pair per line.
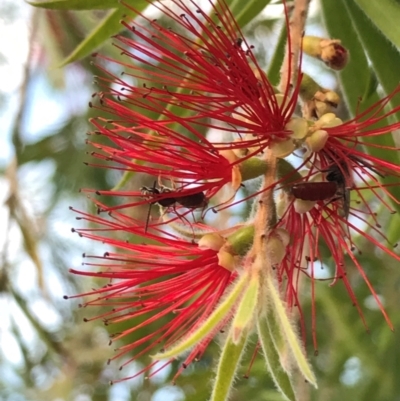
278, 340
206, 327
279, 376
245, 313
228, 364
290, 335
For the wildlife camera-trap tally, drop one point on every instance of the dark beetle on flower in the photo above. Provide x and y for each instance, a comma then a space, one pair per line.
191, 201
314, 191
333, 189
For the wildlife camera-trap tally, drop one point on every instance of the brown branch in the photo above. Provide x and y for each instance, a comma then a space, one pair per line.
292, 54
265, 217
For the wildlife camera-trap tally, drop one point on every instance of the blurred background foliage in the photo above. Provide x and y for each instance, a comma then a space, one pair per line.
47, 351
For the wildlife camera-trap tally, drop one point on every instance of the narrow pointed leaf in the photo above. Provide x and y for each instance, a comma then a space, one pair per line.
289, 333
340, 25
245, 312
108, 27
228, 364
378, 48
220, 313
86, 4
274, 66
76, 4
245, 11
279, 376
278, 339
385, 14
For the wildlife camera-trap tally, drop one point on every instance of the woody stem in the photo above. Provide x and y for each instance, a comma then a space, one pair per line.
293, 46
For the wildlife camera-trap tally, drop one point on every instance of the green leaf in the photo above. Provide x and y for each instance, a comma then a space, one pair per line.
341, 25
384, 57
76, 4
385, 60
80, 5
385, 14
275, 64
245, 311
109, 26
220, 313
227, 366
288, 332
279, 376
246, 11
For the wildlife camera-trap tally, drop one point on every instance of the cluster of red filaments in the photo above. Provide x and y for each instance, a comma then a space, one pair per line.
150, 283
181, 88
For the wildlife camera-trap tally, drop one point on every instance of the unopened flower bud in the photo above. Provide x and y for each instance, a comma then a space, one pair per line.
308, 88
211, 241
276, 249
287, 173
226, 260
325, 102
330, 51
252, 168
317, 140
282, 148
303, 206
240, 242
282, 204
298, 126
232, 157
317, 100
328, 120
329, 97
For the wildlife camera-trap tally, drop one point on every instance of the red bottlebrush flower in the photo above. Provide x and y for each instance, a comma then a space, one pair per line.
325, 212
205, 77
171, 281
201, 75
344, 160
346, 141
325, 223
190, 166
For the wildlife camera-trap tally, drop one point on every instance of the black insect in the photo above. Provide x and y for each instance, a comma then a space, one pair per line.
335, 173
196, 200
333, 189
192, 201
340, 176
152, 192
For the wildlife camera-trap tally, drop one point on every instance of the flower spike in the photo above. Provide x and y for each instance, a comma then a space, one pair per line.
208, 71
192, 117
172, 281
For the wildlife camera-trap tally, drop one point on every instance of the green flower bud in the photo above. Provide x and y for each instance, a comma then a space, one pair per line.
241, 240
252, 168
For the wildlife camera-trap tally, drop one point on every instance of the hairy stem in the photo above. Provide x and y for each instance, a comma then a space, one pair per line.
297, 23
